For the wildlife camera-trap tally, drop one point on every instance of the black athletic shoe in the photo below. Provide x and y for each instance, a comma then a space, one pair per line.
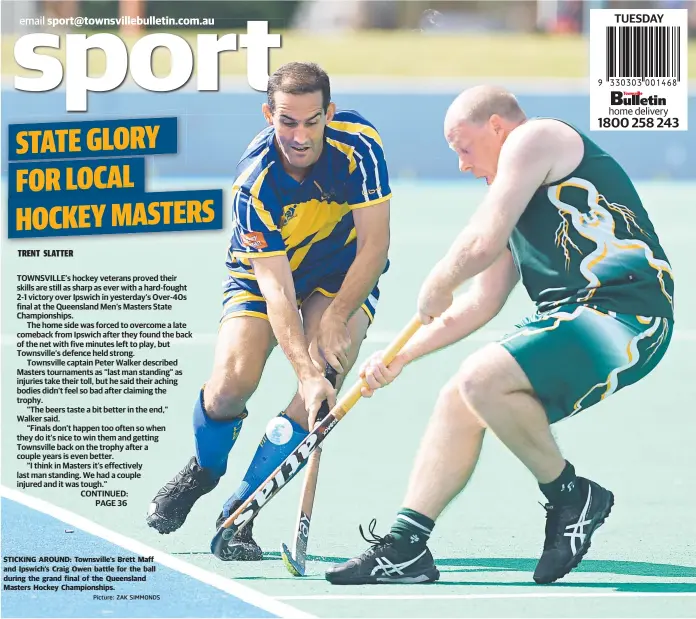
171, 505
569, 530
383, 562
242, 546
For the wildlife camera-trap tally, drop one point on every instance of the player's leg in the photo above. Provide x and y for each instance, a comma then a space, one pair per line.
445, 461
516, 391
553, 367
489, 386
511, 409
449, 451
448, 454
530, 380
270, 455
244, 343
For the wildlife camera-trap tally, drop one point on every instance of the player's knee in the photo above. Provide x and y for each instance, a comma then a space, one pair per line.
451, 398
225, 397
474, 384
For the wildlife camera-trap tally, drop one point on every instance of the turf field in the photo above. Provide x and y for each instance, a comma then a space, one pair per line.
639, 443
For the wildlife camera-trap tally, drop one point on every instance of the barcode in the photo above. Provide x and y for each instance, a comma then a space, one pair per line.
643, 51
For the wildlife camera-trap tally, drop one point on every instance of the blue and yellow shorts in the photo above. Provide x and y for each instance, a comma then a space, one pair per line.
576, 356
238, 301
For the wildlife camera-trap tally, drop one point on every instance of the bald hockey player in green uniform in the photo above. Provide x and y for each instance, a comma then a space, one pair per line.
562, 216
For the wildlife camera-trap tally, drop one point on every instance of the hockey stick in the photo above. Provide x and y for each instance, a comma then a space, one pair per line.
295, 561
291, 465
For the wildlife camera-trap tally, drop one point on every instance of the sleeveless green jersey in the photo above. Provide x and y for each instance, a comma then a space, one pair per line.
586, 239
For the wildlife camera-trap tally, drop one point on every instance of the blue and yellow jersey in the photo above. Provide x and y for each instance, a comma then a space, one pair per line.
311, 222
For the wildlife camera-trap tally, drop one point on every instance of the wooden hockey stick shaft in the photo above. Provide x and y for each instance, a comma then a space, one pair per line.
309, 490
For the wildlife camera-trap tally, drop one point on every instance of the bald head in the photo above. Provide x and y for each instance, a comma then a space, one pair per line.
476, 126
476, 105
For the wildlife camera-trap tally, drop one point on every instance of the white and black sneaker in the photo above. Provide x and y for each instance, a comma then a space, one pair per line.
384, 562
173, 502
569, 530
242, 546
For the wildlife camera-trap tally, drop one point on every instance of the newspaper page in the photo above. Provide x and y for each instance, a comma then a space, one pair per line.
270, 270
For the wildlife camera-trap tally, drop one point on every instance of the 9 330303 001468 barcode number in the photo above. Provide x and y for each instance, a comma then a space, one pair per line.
637, 123
638, 81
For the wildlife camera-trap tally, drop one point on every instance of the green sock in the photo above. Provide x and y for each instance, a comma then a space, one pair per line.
411, 529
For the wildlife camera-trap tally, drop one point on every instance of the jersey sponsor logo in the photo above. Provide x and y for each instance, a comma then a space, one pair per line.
255, 240
327, 196
288, 214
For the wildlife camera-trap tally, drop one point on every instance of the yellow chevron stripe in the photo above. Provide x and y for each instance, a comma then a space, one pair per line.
263, 214
355, 129
347, 150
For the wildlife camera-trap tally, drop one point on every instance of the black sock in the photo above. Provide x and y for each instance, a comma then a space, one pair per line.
564, 489
411, 530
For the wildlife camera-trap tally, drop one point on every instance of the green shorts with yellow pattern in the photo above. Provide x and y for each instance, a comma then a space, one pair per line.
576, 355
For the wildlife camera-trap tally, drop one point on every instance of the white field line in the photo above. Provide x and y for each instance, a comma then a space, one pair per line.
246, 594
484, 596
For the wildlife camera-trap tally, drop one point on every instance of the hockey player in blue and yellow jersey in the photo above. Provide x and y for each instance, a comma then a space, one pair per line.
310, 222
310, 234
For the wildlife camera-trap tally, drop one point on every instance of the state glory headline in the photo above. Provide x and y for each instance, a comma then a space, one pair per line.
61, 183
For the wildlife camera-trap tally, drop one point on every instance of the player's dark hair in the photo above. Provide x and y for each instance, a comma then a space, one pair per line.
299, 78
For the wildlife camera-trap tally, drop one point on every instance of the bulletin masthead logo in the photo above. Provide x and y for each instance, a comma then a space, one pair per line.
619, 97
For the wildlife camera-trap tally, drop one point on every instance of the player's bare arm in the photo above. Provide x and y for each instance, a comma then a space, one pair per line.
526, 161
275, 281
372, 229
470, 311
